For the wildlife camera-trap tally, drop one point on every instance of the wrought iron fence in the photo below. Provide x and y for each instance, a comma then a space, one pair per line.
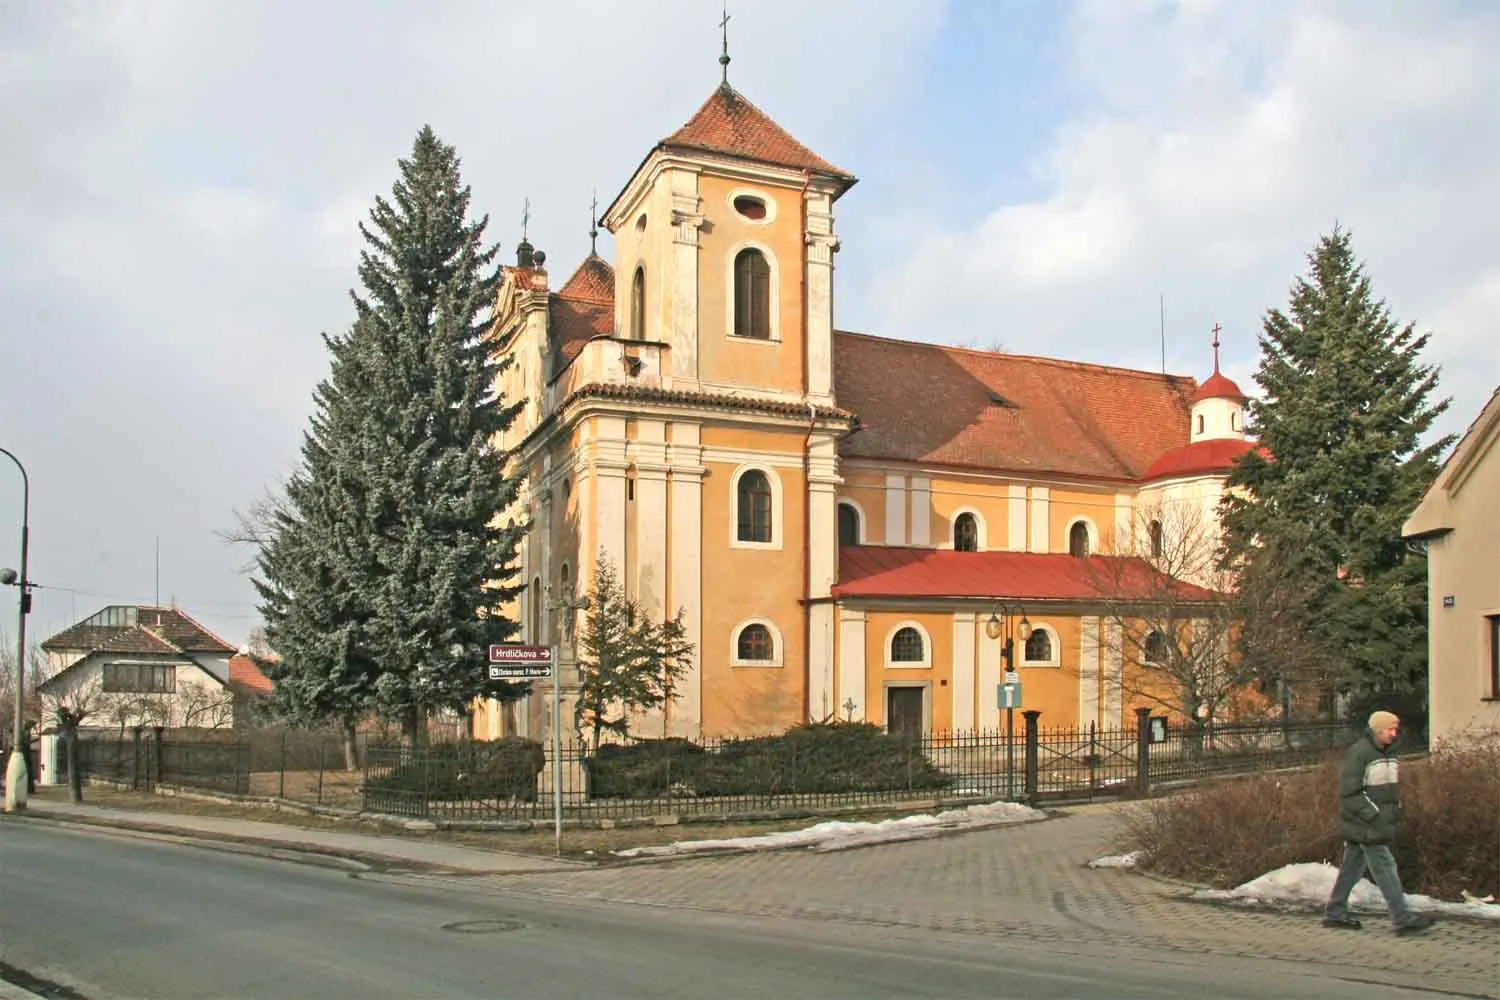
145, 763
513, 780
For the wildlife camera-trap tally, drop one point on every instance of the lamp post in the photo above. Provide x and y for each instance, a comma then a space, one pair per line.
566, 606
15, 770
995, 628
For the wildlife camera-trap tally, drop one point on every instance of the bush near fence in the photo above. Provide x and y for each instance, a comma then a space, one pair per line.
502, 770
815, 758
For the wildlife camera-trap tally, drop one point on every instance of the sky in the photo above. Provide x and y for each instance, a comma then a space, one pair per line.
182, 183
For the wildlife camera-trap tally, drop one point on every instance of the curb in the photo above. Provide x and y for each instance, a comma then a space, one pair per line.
353, 861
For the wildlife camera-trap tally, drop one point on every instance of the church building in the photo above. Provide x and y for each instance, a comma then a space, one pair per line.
853, 525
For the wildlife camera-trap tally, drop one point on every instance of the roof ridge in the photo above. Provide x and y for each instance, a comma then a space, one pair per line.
153, 633
1039, 358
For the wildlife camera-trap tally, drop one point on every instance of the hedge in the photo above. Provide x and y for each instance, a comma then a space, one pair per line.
500, 769
814, 758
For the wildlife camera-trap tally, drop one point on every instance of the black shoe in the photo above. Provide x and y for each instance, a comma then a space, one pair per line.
1343, 923
1413, 923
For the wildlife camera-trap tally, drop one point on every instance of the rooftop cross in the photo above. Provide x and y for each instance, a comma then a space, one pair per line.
525, 218
1217, 328
724, 51
594, 225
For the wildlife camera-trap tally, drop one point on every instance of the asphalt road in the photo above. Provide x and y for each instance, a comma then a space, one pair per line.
115, 916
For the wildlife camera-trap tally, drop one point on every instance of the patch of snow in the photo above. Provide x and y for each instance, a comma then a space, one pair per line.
837, 835
1309, 883
1118, 860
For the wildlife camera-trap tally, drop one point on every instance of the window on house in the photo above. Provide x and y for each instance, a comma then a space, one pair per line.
1039, 646
1157, 649
907, 646
1234, 420
638, 305
755, 644
752, 295
754, 507
1078, 540
139, 678
1154, 530
966, 533
1494, 630
848, 524
1200, 423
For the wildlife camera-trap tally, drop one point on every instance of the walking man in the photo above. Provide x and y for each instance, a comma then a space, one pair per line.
1369, 810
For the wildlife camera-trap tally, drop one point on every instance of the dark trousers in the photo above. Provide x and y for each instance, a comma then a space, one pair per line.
1381, 864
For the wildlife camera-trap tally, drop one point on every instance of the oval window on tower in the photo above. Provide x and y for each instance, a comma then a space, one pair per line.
750, 207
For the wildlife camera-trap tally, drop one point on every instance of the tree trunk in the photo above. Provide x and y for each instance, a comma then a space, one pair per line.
351, 746
75, 780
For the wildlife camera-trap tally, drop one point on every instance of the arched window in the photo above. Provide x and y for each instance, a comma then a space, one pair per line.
755, 644
907, 646
638, 305
753, 507
966, 533
1039, 646
1156, 649
1200, 423
1154, 530
1078, 540
848, 524
752, 295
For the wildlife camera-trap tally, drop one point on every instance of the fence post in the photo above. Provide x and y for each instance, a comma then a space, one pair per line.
322, 753
135, 758
160, 769
281, 785
1033, 732
1142, 751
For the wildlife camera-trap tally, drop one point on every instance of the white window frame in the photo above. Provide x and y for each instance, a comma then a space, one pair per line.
1054, 644
777, 531
775, 303
859, 513
982, 528
758, 195
1093, 531
925, 663
778, 648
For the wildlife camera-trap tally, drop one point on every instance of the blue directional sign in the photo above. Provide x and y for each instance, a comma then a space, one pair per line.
1010, 695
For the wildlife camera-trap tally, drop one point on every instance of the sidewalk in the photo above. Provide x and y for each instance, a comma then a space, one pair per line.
371, 850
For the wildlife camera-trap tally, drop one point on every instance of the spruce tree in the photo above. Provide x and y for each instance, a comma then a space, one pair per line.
1345, 411
395, 523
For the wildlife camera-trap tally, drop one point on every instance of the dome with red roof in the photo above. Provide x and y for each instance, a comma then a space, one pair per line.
1218, 386
1201, 458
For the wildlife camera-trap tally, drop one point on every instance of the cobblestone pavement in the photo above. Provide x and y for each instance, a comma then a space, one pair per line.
1031, 881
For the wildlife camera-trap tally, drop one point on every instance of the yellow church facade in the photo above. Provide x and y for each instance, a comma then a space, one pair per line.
851, 525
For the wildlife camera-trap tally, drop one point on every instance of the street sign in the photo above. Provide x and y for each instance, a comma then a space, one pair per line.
514, 662
1010, 695
1011, 677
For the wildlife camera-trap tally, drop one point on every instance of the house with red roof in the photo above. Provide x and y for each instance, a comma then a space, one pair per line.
143, 665
843, 518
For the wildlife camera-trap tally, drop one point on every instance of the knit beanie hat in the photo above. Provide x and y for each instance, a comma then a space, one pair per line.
1380, 720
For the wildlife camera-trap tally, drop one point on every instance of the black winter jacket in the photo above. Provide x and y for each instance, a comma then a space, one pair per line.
1369, 796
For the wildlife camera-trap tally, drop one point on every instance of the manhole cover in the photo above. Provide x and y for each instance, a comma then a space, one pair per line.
483, 926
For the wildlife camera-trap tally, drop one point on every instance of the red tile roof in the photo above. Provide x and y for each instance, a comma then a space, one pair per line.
730, 125
645, 393
940, 405
1218, 386
1216, 455
583, 309
245, 671
171, 626
902, 572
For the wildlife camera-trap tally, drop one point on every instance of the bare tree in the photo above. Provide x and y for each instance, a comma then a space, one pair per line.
206, 707
255, 526
1168, 619
72, 706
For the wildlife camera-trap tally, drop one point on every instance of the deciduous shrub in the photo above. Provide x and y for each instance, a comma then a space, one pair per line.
815, 758
1234, 830
498, 769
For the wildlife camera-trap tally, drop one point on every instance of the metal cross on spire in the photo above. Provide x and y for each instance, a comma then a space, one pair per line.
594, 225
1217, 328
525, 218
724, 51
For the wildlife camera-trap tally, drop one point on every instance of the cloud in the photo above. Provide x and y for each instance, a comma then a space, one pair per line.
1208, 146
184, 182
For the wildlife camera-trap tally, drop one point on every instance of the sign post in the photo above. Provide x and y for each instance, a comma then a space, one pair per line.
1010, 699
511, 661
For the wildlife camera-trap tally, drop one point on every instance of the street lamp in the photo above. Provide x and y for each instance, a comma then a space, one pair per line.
15, 769
1010, 692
